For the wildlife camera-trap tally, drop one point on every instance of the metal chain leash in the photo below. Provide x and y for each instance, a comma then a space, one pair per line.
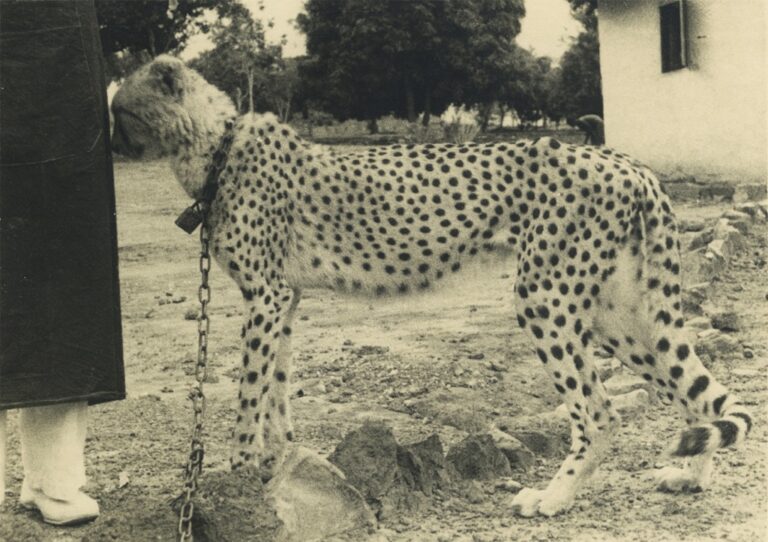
192, 217
197, 452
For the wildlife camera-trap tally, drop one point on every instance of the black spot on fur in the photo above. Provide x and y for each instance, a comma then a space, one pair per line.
699, 385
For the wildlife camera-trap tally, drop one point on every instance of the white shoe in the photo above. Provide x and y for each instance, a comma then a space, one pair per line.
80, 509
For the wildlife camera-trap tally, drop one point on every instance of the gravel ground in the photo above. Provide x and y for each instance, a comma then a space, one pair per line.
450, 363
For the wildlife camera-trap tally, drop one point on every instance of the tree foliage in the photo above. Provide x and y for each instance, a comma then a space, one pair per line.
578, 87
144, 25
371, 57
241, 63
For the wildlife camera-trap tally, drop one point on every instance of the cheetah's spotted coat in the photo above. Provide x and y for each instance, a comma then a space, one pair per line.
595, 238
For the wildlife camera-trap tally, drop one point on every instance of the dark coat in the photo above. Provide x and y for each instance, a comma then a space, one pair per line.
60, 334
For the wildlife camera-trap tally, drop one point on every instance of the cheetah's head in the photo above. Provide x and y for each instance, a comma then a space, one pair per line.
163, 107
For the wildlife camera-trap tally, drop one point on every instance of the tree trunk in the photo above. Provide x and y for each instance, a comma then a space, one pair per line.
373, 126
251, 77
485, 116
239, 100
410, 101
151, 39
502, 114
286, 112
427, 108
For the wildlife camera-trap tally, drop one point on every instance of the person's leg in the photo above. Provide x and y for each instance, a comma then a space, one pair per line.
53, 456
3, 438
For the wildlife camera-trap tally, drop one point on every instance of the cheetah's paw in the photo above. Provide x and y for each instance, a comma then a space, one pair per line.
547, 502
675, 480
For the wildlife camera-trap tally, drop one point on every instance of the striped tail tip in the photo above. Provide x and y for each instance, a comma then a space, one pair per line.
728, 431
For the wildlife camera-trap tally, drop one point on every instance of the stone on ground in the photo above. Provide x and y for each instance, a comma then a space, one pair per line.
545, 444
391, 477
315, 502
478, 458
518, 455
725, 321
715, 344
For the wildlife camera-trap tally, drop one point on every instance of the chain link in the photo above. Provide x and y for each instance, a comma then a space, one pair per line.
195, 461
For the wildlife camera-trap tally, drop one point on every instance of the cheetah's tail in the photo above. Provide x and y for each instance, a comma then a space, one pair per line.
662, 270
730, 430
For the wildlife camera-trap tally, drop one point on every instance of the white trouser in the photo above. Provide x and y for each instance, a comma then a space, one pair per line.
52, 448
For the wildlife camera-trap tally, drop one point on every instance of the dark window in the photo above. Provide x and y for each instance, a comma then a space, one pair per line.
672, 36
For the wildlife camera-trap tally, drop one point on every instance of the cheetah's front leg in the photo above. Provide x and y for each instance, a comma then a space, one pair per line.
263, 423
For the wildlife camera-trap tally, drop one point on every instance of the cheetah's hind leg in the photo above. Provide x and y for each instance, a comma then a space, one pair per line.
561, 341
643, 326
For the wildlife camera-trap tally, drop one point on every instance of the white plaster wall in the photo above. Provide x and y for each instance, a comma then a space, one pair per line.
709, 119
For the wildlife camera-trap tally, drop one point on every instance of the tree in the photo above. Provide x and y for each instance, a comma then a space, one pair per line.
372, 57
580, 76
579, 81
281, 88
142, 29
241, 61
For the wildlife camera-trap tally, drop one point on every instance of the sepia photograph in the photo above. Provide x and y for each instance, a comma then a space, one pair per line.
383, 270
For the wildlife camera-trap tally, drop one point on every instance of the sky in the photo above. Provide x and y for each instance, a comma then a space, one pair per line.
547, 27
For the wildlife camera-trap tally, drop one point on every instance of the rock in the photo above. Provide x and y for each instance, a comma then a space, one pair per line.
694, 295
624, 383
541, 444
701, 239
478, 458
429, 467
726, 321
714, 344
755, 210
699, 323
721, 250
702, 265
518, 455
390, 477
738, 214
750, 192
315, 502
692, 225
509, 485
732, 237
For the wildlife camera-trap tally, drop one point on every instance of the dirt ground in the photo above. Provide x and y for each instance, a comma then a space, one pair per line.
450, 363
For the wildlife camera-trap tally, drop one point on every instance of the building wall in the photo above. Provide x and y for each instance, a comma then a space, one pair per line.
707, 120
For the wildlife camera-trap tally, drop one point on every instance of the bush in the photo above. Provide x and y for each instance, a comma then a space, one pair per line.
461, 133
389, 124
418, 133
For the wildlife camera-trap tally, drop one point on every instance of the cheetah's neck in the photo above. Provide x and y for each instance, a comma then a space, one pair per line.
198, 139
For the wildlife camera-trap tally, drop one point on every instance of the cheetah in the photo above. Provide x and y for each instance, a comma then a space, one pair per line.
593, 232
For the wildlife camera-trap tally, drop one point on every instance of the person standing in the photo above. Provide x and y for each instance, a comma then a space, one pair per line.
60, 326
593, 128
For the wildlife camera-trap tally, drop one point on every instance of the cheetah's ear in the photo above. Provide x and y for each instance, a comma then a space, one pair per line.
168, 73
